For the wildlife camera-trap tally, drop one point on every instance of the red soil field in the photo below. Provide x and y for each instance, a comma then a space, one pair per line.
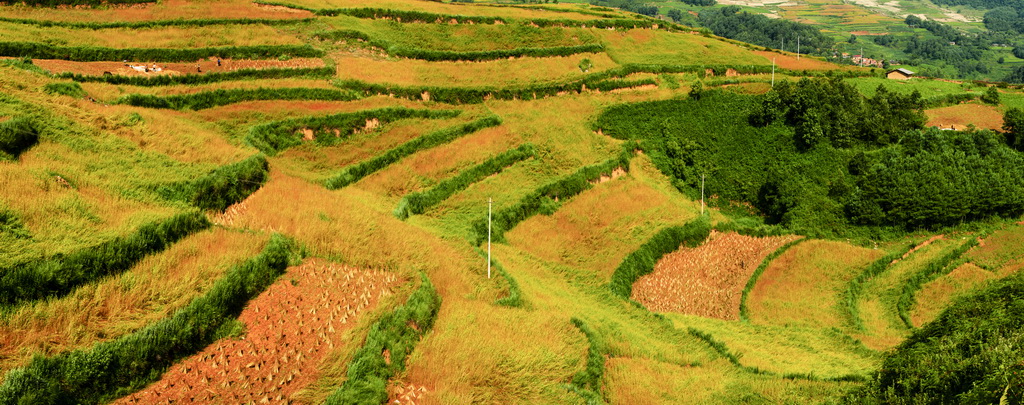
707, 280
291, 327
982, 116
207, 65
804, 63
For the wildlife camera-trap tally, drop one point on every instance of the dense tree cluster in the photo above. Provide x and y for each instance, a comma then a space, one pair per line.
731, 22
831, 110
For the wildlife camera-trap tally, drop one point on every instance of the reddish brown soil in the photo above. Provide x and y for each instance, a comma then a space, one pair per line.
290, 328
707, 280
959, 116
787, 61
208, 66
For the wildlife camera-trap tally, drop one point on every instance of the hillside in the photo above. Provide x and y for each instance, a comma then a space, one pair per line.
249, 202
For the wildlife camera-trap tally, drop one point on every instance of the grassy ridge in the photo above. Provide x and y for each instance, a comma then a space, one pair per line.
642, 260
59, 275
222, 187
110, 369
931, 271
543, 199
417, 202
221, 97
587, 383
354, 173
744, 312
16, 136
55, 3
397, 333
97, 54
201, 22
852, 293
274, 137
240, 74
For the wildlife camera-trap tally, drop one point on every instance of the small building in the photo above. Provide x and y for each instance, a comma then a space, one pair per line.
899, 74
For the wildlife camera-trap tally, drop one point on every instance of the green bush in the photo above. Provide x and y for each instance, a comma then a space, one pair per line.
206, 78
587, 383
65, 89
417, 202
95, 54
11, 225
542, 200
949, 99
276, 136
222, 187
16, 136
220, 97
666, 241
114, 368
971, 354
398, 333
354, 173
59, 275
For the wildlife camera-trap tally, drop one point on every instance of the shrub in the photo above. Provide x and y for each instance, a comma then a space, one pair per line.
397, 333
354, 173
587, 383
72, 89
666, 241
16, 136
113, 368
222, 187
276, 136
221, 97
418, 202
59, 275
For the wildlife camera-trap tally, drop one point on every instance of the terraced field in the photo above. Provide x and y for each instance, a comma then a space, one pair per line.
303, 217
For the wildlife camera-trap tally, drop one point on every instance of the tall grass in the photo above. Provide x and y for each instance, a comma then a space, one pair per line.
354, 173
744, 311
473, 56
397, 333
95, 54
111, 369
222, 187
221, 97
641, 261
59, 275
274, 137
931, 271
418, 202
543, 199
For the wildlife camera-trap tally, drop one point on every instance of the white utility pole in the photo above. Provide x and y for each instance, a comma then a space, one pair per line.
702, 194
489, 202
798, 47
773, 73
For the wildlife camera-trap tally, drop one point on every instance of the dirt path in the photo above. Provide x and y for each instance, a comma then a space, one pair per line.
289, 330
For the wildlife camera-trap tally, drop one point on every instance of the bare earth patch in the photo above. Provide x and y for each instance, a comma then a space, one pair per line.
959, 116
707, 280
290, 328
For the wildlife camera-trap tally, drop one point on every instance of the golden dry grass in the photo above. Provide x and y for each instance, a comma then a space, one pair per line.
645, 46
151, 290
790, 61
162, 37
960, 116
498, 73
938, 294
999, 249
163, 10
448, 8
110, 92
803, 286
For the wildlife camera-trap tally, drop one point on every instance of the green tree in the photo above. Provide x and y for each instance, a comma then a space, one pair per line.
991, 96
1013, 127
675, 15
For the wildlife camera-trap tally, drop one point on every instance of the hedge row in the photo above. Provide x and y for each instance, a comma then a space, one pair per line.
95, 54
354, 173
757, 231
222, 187
59, 275
931, 271
587, 383
851, 295
276, 136
16, 136
202, 22
396, 333
417, 203
949, 99
70, 89
221, 97
543, 199
752, 281
474, 56
666, 241
457, 95
514, 299
111, 369
406, 15
166, 80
